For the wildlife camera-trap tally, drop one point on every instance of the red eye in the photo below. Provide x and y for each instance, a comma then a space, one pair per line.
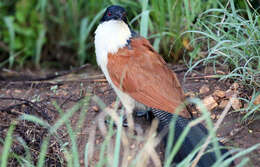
109, 13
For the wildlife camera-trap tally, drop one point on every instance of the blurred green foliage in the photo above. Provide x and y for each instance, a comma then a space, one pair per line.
21, 29
60, 32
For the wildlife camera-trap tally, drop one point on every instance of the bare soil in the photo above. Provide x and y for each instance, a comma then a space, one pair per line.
22, 92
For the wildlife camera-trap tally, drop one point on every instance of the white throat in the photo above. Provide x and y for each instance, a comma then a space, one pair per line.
109, 37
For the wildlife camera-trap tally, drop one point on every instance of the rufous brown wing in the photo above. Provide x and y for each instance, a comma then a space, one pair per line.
141, 72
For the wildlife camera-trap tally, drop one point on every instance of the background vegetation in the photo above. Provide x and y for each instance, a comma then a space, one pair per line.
59, 33
44, 33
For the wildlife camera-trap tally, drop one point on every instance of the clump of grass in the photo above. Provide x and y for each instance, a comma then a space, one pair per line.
54, 30
166, 20
230, 37
115, 149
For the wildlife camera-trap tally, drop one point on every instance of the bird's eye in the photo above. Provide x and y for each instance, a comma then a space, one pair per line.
109, 13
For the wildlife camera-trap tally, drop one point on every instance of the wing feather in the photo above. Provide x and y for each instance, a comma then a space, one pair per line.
142, 73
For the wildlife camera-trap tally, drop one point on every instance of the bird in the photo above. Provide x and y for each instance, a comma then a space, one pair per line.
136, 72
141, 77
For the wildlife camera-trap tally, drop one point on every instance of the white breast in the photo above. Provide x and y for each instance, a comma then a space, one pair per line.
109, 37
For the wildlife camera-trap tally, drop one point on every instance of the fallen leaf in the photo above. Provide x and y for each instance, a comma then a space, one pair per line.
204, 89
129, 157
235, 86
236, 104
229, 93
95, 108
186, 44
217, 116
132, 146
193, 74
97, 141
17, 91
219, 93
213, 116
223, 104
190, 94
257, 100
220, 72
113, 105
210, 102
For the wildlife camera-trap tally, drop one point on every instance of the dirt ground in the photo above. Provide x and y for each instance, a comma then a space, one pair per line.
26, 92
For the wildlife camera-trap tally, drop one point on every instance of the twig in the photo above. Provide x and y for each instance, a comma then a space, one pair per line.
50, 76
184, 69
204, 77
19, 99
100, 80
205, 145
66, 100
50, 83
33, 105
9, 108
232, 134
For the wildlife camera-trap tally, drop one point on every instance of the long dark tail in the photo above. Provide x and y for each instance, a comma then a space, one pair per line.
194, 138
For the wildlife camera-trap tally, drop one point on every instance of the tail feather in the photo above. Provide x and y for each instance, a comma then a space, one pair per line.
194, 138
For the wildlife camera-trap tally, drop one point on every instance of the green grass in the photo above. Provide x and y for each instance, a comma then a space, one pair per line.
230, 37
116, 144
51, 31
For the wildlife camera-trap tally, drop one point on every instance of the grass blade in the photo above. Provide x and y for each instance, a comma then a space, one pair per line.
44, 148
7, 145
117, 144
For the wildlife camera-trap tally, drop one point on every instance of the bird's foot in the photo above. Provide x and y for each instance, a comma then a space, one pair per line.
124, 124
144, 113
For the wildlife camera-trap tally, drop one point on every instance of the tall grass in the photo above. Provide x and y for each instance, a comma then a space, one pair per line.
60, 30
230, 37
115, 149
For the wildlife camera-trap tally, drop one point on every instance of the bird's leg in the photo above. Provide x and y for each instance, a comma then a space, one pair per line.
125, 124
143, 111
130, 120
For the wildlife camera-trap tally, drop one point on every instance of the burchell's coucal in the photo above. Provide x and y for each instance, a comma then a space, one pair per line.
138, 74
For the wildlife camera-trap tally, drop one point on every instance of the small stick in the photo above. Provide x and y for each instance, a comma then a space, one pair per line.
205, 145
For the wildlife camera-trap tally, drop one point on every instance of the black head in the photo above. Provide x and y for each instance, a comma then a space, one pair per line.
114, 13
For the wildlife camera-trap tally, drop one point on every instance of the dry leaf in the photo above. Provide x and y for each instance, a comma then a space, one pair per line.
236, 104
186, 44
95, 108
213, 116
113, 105
204, 89
219, 93
235, 86
229, 93
190, 94
217, 116
210, 102
223, 104
257, 100
220, 72
17, 91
